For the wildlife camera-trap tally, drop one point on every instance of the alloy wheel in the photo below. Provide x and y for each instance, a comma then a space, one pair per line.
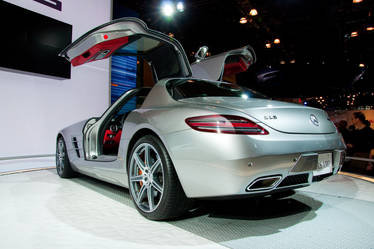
60, 156
146, 177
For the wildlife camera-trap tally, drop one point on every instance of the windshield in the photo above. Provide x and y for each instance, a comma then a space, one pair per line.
192, 88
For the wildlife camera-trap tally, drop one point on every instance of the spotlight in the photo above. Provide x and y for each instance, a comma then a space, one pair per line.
354, 34
167, 9
370, 28
180, 6
268, 45
361, 65
277, 41
253, 12
243, 20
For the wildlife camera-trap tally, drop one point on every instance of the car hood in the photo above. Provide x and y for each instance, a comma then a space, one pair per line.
281, 116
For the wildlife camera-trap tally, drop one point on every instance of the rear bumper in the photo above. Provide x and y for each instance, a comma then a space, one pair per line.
216, 165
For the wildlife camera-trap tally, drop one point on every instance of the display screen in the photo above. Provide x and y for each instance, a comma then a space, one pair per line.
31, 42
123, 75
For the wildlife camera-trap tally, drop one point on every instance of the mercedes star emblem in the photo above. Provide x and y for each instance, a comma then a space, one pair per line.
314, 120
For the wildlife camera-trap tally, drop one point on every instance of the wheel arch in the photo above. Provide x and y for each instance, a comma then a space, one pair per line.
140, 133
176, 202
59, 135
144, 132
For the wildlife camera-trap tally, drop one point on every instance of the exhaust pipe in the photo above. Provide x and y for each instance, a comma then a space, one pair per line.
264, 183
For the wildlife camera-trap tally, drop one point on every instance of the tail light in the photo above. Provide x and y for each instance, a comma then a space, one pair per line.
225, 124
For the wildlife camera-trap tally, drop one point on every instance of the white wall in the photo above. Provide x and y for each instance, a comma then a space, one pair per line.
34, 108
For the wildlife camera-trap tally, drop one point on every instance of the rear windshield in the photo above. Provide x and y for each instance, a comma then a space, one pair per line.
191, 88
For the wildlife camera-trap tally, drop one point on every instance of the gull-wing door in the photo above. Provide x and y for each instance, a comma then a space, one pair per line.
130, 36
224, 64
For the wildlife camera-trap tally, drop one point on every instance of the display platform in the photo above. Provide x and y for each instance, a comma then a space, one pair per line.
41, 210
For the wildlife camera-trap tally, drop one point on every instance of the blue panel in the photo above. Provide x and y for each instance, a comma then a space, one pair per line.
123, 75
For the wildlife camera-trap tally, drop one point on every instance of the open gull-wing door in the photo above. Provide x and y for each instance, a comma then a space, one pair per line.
130, 36
230, 62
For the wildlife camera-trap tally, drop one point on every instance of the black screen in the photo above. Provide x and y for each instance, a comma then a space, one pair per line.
31, 42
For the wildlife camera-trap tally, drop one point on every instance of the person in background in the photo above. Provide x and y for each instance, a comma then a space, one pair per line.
370, 167
342, 128
361, 142
367, 123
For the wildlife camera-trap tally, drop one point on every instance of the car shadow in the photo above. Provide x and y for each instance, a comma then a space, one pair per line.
221, 221
250, 209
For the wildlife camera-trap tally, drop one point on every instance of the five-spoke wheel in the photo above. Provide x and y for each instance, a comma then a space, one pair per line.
146, 177
63, 167
153, 182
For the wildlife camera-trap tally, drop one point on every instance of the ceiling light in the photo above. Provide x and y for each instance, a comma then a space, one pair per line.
361, 65
167, 9
268, 45
282, 62
180, 6
292, 61
253, 12
371, 28
277, 41
357, 1
354, 34
243, 20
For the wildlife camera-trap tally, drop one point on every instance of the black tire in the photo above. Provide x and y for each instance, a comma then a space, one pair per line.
63, 167
145, 188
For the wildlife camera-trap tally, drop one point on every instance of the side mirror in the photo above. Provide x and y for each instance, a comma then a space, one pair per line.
201, 53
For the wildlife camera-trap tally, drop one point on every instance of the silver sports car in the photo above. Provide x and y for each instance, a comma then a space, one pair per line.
192, 135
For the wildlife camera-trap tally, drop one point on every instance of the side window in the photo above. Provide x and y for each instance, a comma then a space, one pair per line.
132, 104
128, 106
111, 131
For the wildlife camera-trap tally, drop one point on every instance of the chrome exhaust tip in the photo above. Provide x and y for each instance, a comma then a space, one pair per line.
264, 183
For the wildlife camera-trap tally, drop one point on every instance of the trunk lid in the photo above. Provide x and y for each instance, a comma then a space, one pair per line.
281, 116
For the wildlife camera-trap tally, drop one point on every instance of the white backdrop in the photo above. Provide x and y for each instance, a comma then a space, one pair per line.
34, 108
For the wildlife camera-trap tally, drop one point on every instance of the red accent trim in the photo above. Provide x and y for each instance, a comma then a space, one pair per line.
116, 139
236, 67
111, 45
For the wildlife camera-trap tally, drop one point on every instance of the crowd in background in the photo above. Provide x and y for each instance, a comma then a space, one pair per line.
359, 138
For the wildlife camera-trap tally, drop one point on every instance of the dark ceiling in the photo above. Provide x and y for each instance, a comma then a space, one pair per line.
315, 34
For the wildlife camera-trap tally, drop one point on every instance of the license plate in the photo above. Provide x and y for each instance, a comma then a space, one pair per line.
324, 165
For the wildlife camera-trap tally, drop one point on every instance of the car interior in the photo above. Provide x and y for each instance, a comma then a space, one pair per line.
113, 127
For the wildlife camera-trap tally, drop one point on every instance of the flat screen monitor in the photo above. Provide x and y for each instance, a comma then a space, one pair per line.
31, 42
